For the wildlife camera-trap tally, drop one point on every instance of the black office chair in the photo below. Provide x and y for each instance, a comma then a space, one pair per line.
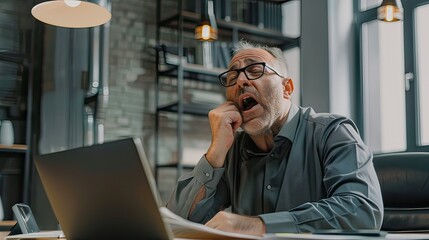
404, 181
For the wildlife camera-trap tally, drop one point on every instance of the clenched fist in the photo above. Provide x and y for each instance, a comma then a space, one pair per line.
224, 121
231, 222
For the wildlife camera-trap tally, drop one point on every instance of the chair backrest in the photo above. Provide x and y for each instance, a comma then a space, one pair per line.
404, 182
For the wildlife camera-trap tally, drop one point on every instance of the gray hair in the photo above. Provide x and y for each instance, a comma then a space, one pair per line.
277, 53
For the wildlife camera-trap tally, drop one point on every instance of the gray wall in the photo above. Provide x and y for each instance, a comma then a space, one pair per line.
342, 72
315, 55
327, 56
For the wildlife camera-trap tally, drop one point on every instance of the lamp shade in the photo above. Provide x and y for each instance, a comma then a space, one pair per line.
390, 11
71, 13
206, 30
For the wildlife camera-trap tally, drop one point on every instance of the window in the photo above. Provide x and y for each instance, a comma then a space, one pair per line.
422, 71
394, 78
368, 4
384, 95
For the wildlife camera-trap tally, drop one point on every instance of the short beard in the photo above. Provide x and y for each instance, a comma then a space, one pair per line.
254, 129
263, 124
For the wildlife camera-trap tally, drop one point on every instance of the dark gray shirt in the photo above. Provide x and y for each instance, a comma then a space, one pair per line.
319, 175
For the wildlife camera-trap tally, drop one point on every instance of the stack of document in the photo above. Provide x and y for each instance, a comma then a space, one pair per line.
39, 235
183, 228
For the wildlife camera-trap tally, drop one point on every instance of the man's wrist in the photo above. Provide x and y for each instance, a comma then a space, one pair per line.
262, 224
214, 159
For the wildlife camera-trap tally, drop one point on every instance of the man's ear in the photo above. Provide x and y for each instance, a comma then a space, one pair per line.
288, 88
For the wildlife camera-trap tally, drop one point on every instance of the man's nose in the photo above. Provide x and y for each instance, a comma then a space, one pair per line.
242, 79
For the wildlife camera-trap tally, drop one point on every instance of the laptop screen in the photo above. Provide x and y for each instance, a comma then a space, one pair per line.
103, 191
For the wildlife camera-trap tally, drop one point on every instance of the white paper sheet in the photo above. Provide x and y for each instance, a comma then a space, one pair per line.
43, 235
309, 236
183, 228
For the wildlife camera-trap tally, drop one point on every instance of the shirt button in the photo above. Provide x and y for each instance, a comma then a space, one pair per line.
272, 155
207, 174
268, 187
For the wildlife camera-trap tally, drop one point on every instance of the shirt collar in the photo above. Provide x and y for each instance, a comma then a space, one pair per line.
289, 128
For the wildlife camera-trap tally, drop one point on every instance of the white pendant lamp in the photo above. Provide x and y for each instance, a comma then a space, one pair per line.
71, 13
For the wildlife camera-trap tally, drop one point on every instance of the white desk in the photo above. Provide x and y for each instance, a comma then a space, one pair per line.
401, 236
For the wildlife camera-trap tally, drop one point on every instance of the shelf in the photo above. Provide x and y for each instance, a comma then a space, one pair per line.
16, 148
227, 29
90, 99
174, 165
5, 226
195, 68
11, 57
189, 108
193, 71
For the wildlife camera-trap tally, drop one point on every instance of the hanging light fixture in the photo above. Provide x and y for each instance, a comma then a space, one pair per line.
71, 13
390, 11
206, 30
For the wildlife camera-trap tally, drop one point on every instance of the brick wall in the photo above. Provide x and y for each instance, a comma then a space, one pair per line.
130, 110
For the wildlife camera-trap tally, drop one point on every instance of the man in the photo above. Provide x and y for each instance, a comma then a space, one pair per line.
290, 170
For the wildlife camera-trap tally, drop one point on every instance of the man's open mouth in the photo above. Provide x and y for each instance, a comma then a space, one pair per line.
249, 103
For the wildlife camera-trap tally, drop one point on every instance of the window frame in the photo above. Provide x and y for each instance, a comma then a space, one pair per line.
411, 96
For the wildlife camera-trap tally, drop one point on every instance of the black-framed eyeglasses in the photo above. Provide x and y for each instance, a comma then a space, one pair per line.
252, 72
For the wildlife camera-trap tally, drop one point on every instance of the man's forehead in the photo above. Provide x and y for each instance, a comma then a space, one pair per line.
249, 56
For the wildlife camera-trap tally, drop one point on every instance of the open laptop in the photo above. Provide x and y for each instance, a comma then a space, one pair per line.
103, 191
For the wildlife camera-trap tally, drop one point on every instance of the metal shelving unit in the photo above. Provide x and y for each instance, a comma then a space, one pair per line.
22, 151
17, 58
